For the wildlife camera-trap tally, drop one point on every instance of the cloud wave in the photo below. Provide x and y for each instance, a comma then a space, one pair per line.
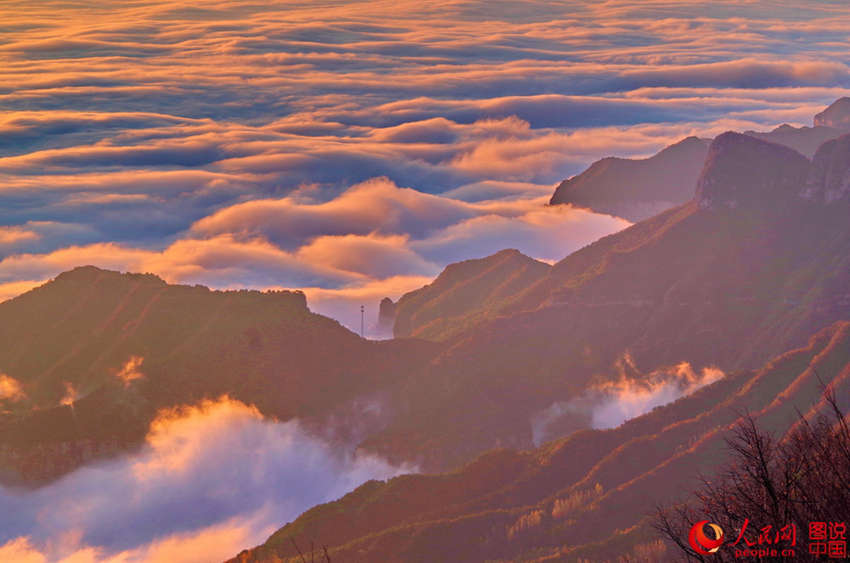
373, 240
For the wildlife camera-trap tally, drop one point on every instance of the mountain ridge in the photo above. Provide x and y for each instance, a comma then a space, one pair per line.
654, 184
463, 291
637, 189
66, 343
718, 284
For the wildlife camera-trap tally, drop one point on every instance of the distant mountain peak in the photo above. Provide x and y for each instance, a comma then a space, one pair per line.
829, 177
637, 189
92, 276
742, 171
836, 115
693, 140
463, 290
86, 274
478, 265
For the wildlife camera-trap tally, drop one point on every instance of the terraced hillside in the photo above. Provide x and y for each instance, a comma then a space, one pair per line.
589, 496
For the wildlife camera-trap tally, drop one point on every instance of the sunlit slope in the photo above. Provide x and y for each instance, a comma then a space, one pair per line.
96, 353
465, 292
587, 495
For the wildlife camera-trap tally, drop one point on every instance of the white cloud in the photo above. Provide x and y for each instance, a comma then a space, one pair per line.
611, 404
210, 480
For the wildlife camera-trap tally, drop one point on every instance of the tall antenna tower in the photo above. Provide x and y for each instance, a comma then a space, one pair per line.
362, 316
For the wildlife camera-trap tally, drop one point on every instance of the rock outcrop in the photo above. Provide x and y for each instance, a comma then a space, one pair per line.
742, 171
836, 115
386, 317
637, 189
829, 177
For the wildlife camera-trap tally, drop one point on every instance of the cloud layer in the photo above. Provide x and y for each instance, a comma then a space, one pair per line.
373, 240
611, 404
231, 144
210, 480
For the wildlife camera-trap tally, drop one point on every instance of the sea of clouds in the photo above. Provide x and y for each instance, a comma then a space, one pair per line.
351, 149
355, 148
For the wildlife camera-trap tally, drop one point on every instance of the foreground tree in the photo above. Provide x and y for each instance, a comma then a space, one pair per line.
775, 497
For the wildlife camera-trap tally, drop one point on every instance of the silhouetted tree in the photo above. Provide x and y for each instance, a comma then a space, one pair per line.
803, 478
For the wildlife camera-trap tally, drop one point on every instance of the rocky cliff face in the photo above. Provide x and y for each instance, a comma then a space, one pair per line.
741, 171
637, 189
836, 115
386, 317
745, 270
829, 177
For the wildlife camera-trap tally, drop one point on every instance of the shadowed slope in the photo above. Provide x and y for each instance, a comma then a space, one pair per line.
637, 189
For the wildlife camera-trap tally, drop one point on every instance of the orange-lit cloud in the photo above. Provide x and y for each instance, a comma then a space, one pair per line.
245, 145
22, 551
10, 388
211, 479
13, 289
70, 396
348, 151
129, 372
344, 249
630, 395
212, 543
13, 235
